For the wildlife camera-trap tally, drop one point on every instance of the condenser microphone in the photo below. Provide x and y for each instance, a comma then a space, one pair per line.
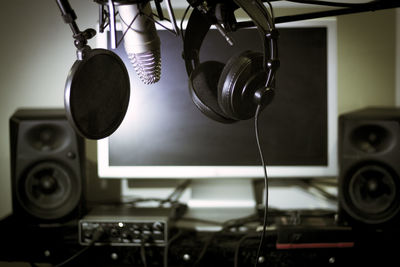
141, 41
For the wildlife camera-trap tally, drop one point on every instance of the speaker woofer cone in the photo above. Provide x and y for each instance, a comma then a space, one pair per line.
371, 194
49, 190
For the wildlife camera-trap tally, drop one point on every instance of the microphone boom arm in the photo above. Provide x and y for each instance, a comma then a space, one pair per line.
69, 17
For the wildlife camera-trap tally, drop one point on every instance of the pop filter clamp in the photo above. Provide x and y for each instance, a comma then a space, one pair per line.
97, 89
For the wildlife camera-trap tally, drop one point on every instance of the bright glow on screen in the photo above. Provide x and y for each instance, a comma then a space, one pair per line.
177, 169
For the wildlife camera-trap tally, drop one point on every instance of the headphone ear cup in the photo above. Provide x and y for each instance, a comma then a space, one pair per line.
203, 90
242, 75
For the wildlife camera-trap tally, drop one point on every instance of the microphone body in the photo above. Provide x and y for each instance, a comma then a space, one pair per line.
141, 41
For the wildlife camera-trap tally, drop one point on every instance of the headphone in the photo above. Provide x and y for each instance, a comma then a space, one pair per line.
231, 92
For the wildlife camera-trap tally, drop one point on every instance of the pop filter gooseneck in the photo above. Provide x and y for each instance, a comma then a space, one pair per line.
97, 89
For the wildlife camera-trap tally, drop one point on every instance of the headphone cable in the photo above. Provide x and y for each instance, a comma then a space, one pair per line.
258, 110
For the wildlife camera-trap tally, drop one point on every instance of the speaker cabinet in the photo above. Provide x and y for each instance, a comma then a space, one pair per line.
369, 159
47, 167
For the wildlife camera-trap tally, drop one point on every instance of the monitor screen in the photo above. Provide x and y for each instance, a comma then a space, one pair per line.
164, 135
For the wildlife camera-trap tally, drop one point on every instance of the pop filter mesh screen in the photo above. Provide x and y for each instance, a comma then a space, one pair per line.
98, 96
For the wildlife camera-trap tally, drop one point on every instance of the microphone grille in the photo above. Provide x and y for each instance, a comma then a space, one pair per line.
147, 65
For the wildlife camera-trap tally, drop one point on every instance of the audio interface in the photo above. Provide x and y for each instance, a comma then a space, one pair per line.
125, 226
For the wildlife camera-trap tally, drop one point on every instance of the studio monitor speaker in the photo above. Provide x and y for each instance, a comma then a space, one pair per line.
369, 160
47, 167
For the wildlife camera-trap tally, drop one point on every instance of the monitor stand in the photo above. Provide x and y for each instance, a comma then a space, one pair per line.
215, 200
220, 200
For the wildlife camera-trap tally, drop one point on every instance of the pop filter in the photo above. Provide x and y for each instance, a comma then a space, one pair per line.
97, 93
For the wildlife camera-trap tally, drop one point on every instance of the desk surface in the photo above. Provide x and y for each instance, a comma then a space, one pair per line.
236, 245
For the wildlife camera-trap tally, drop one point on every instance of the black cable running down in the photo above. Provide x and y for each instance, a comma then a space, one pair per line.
96, 236
73, 257
177, 193
168, 245
143, 252
237, 248
265, 183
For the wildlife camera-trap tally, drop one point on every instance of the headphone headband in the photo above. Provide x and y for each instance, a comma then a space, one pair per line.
199, 24
195, 32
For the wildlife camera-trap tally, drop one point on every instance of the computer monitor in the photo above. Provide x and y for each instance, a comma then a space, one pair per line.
164, 136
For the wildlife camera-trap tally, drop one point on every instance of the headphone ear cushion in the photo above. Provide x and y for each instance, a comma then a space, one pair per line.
240, 71
203, 90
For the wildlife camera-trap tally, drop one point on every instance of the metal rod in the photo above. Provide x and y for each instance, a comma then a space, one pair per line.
113, 31
68, 15
338, 12
101, 18
172, 18
327, 3
328, 13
